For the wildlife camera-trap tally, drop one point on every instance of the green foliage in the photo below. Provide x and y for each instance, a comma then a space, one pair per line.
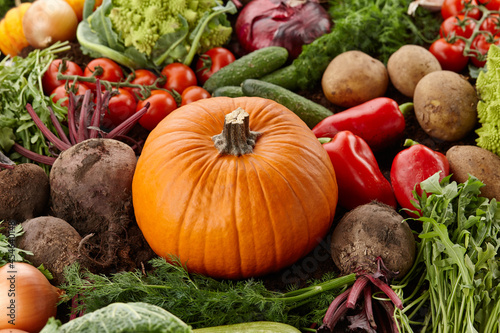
153, 33
8, 250
201, 301
378, 28
488, 107
457, 259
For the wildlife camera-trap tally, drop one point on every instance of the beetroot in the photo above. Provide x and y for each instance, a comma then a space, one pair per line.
375, 242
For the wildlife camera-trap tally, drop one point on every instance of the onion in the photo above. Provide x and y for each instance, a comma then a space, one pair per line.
27, 298
49, 21
286, 23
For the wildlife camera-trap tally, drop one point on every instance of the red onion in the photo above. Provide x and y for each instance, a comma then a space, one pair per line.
286, 23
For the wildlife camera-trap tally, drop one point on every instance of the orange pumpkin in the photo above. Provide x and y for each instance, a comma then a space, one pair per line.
12, 39
234, 216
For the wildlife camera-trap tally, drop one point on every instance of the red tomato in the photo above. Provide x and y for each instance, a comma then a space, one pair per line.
142, 77
491, 24
450, 56
49, 78
61, 92
456, 7
112, 72
491, 4
211, 61
457, 26
178, 76
121, 106
481, 44
194, 93
161, 104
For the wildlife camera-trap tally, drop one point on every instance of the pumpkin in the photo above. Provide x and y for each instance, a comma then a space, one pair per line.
233, 187
12, 39
77, 6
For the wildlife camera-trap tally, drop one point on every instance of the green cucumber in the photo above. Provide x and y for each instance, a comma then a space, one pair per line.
253, 327
310, 112
228, 91
285, 77
251, 66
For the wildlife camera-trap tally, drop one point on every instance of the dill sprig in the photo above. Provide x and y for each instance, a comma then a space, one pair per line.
202, 301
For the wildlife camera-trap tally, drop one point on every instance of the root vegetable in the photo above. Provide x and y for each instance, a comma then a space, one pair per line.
375, 242
408, 65
53, 242
445, 105
354, 77
24, 192
479, 162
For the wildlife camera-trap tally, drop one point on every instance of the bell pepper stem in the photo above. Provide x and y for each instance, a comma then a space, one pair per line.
406, 108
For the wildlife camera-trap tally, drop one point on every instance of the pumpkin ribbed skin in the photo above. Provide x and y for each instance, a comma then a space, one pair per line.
231, 216
12, 39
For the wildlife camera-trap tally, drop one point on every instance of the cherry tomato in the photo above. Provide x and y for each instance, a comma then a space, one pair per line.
491, 4
194, 93
161, 104
61, 92
143, 77
211, 61
112, 72
456, 7
49, 78
481, 44
491, 24
457, 26
178, 76
121, 106
450, 55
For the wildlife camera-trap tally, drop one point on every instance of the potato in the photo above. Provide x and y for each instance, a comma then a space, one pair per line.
53, 242
410, 64
354, 77
479, 162
445, 105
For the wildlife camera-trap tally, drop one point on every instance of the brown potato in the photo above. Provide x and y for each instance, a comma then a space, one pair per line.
410, 64
445, 105
479, 162
354, 77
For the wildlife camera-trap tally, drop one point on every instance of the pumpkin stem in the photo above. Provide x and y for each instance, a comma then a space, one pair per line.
236, 137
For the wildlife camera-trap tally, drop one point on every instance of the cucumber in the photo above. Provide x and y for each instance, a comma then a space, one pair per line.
310, 112
285, 77
253, 327
228, 91
251, 66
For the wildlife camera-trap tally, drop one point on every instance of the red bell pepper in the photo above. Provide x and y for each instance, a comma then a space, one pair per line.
359, 178
410, 167
380, 122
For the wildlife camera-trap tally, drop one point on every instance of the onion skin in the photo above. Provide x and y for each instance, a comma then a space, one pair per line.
28, 298
49, 21
286, 23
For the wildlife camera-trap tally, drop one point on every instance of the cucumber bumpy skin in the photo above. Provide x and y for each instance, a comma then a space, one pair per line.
251, 66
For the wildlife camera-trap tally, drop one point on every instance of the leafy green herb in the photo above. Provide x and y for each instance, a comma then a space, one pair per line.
8, 250
20, 84
457, 267
201, 301
378, 28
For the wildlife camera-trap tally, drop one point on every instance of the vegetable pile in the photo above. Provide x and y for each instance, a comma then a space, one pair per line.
203, 167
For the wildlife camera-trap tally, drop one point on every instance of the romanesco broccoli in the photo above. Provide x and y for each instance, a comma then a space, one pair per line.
488, 108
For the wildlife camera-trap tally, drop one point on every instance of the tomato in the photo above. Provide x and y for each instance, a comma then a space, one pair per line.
211, 61
61, 92
481, 44
450, 55
456, 7
121, 106
143, 77
49, 78
491, 24
457, 26
112, 72
194, 93
491, 4
178, 76
161, 104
